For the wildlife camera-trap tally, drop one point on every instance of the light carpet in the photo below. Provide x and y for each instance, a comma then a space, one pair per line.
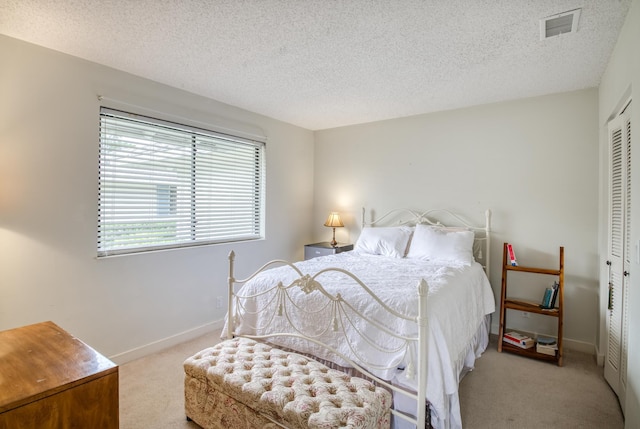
503, 391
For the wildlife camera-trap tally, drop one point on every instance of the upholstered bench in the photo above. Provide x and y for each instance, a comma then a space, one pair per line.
241, 383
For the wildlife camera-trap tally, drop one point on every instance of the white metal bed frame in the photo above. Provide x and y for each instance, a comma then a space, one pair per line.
482, 242
339, 307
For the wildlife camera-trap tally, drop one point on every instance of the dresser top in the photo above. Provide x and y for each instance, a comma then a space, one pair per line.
42, 359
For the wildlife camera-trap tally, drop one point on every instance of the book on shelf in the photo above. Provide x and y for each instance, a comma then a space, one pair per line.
555, 288
546, 345
546, 298
512, 255
547, 349
518, 339
549, 298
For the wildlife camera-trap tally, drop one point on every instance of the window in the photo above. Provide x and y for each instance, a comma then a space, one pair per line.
165, 185
167, 199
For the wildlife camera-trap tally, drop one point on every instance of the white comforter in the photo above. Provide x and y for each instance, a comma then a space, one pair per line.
459, 298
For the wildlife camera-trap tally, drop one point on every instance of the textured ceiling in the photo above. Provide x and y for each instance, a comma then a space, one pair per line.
322, 63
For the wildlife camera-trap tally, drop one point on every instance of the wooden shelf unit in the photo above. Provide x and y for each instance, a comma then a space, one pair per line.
508, 303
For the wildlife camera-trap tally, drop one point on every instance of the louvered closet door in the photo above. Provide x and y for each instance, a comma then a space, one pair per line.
619, 251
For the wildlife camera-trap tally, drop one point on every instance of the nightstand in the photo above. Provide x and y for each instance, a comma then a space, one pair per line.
324, 248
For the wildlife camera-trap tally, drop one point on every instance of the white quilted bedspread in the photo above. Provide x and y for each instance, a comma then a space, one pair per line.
459, 298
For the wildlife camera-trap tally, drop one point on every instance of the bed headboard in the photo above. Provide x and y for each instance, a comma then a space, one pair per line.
440, 217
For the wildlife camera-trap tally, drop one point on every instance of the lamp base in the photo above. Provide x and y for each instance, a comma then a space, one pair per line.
333, 242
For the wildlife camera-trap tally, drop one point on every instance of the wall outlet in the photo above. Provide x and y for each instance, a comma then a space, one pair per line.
219, 302
525, 314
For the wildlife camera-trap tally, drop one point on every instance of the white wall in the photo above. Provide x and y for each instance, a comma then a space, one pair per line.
48, 208
621, 79
533, 162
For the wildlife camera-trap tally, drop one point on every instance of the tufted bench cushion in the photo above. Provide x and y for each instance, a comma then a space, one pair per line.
242, 383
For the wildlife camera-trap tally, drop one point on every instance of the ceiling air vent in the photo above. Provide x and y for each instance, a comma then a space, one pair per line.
562, 23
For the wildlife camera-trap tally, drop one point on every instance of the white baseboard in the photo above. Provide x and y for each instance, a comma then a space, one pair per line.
165, 343
217, 325
580, 346
599, 356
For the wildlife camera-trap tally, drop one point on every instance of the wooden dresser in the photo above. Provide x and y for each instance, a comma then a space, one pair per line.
50, 379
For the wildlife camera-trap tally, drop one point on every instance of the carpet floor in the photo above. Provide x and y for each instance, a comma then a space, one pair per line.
503, 391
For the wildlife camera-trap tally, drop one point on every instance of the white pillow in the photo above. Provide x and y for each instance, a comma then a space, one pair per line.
385, 241
442, 244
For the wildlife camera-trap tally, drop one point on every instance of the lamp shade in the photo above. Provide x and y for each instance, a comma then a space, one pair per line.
334, 220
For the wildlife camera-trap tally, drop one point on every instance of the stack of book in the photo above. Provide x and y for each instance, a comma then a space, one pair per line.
547, 346
518, 340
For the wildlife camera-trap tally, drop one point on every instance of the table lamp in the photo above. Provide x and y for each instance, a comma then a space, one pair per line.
334, 221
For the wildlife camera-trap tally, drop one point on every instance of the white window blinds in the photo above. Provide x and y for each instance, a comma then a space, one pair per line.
165, 185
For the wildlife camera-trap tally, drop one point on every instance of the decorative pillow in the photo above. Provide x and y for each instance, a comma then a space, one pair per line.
385, 241
436, 243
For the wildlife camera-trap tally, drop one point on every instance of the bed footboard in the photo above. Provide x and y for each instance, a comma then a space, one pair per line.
282, 299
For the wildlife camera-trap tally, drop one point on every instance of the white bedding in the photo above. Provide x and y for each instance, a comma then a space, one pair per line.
460, 297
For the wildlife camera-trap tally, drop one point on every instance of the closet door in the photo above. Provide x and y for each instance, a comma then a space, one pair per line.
619, 252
